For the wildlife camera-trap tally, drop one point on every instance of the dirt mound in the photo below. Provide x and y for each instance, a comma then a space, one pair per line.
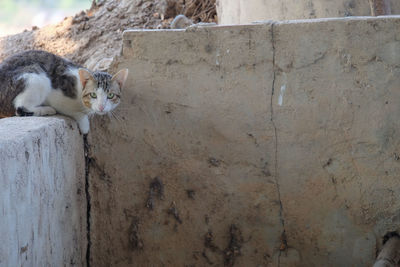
93, 37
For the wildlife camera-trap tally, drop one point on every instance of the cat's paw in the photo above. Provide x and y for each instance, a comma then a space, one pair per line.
36, 111
23, 112
84, 125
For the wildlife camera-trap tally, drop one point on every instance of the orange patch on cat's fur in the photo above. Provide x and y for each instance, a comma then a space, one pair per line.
86, 101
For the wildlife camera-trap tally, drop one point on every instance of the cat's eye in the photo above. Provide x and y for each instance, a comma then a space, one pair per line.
93, 95
110, 96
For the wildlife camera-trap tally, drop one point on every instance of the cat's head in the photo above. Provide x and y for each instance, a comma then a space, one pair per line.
101, 92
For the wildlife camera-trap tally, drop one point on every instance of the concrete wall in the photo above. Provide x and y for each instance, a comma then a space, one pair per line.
259, 145
247, 11
195, 114
42, 194
337, 105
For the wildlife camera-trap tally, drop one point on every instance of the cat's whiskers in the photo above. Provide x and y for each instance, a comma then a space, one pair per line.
119, 120
115, 116
125, 108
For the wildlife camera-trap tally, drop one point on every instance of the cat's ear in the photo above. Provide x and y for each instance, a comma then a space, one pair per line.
120, 77
84, 76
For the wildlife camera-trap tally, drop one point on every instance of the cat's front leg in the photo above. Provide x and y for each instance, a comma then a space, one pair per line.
83, 123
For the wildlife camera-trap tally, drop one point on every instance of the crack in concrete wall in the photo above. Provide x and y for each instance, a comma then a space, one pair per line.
88, 199
283, 245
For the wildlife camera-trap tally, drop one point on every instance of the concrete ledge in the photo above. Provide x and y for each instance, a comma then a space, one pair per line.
244, 11
42, 195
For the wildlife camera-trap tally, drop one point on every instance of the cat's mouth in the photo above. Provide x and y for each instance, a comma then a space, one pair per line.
101, 112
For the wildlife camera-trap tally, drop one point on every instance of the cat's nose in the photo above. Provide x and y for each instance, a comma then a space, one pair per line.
101, 107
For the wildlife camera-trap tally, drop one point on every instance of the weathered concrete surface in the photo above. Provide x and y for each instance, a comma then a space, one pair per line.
247, 11
336, 109
226, 116
196, 114
42, 196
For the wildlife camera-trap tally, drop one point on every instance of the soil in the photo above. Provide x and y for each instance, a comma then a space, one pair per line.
156, 191
135, 241
93, 37
174, 212
235, 244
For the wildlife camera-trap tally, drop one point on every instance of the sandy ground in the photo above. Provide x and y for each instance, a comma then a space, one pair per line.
93, 37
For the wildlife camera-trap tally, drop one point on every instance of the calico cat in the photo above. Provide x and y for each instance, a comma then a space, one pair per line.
38, 83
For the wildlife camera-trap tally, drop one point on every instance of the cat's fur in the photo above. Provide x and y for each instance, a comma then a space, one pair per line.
183, 22
38, 83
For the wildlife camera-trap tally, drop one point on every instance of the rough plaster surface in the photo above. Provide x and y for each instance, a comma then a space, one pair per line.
42, 197
196, 115
234, 119
247, 11
338, 127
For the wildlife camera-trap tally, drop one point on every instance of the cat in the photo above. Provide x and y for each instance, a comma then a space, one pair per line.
39, 83
183, 22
